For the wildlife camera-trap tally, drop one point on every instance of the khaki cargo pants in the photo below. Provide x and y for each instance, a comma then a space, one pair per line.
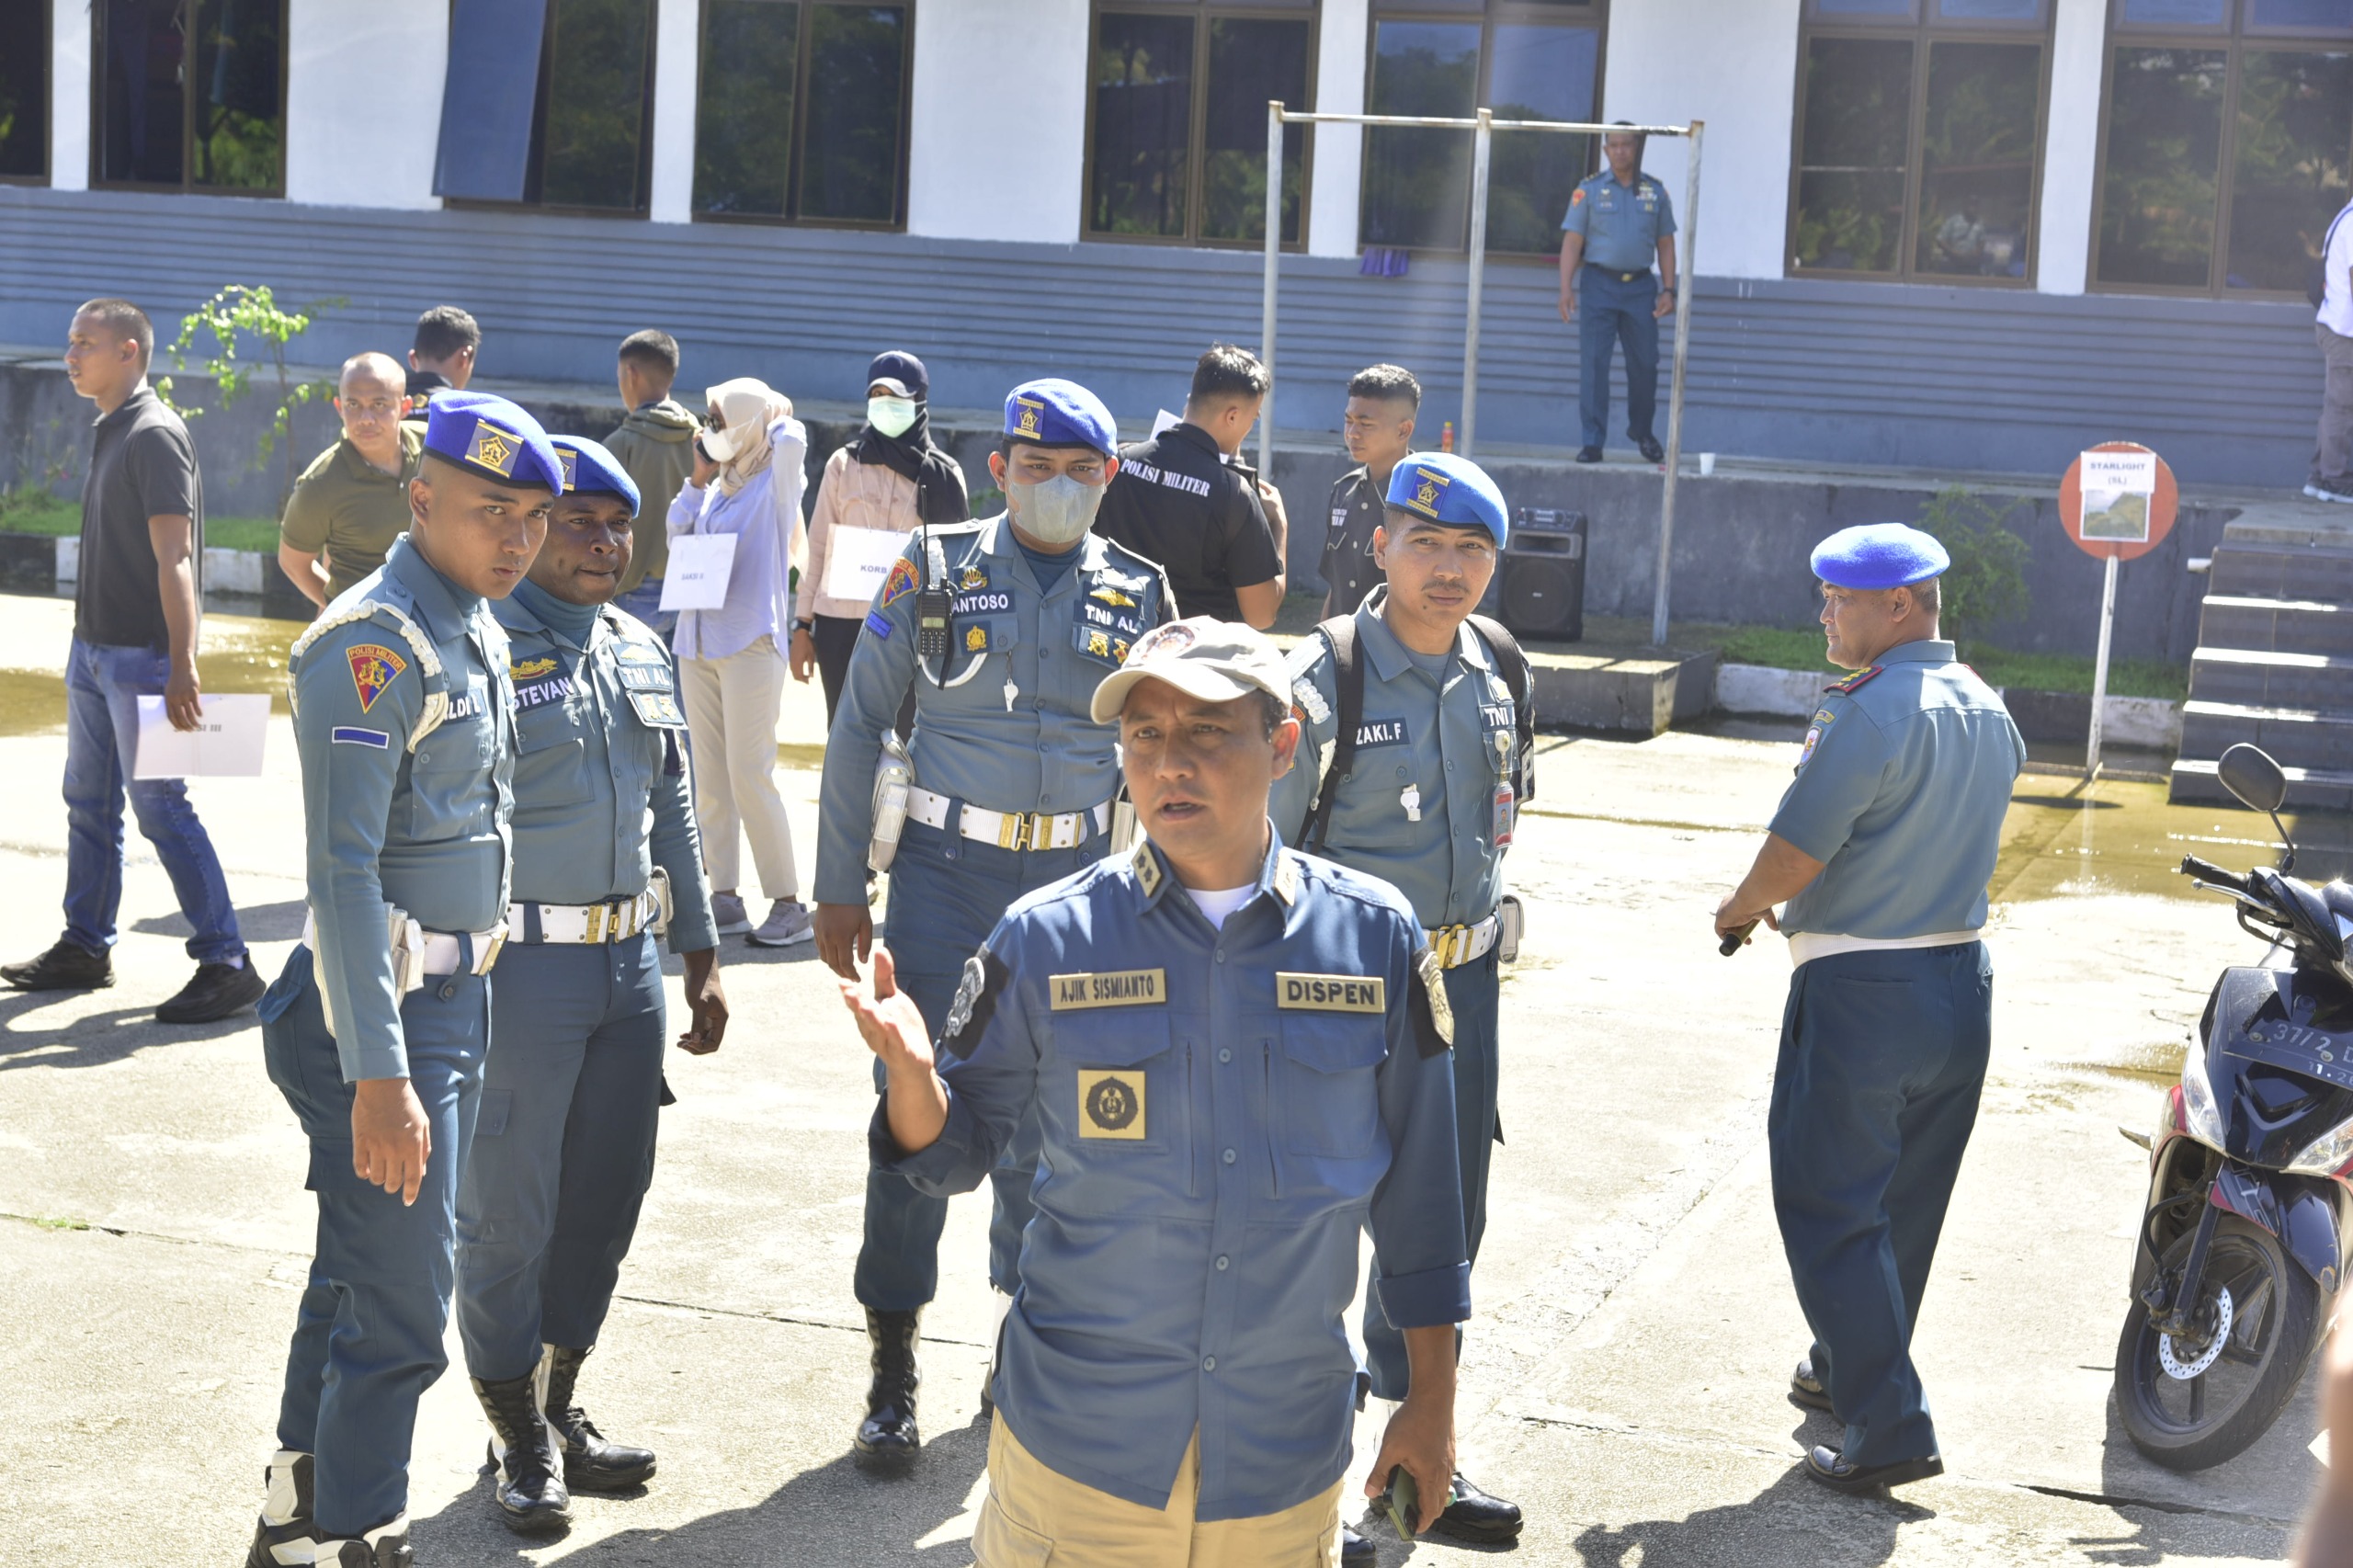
2335, 453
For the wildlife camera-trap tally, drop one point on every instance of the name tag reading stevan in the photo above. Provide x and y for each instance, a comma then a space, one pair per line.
1122, 988
1332, 992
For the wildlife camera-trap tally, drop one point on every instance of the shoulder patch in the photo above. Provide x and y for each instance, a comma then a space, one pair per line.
975, 1004
1309, 700
1576, 197
373, 665
1855, 682
898, 585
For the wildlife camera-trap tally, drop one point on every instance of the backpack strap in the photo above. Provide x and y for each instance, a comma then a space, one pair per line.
1340, 631
1517, 676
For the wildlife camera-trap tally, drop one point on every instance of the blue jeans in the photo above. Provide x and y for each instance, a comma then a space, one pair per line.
562, 1151
368, 1334
1474, 992
103, 686
1874, 1096
1609, 313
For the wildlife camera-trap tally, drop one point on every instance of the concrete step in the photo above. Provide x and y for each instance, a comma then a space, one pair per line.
2258, 678
1631, 690
2308, 789
2266, 570
2301, 736
2303, 625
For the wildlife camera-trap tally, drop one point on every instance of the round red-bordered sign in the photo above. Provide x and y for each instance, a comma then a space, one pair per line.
2162, 506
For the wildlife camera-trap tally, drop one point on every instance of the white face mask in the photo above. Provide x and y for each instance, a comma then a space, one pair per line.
720, 444
891, 415
1059, 511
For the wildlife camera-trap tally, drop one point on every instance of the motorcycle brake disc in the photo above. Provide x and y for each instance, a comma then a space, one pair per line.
2184, 1371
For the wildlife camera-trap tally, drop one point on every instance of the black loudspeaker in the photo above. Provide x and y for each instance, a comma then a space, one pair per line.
1539, 583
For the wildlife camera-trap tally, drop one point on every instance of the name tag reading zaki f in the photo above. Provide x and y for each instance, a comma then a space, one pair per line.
1120, 988
1332, 992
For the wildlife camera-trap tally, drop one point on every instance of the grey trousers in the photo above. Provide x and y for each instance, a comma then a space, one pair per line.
2335, 453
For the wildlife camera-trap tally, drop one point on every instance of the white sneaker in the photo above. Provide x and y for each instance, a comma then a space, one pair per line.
788, 924
728, 912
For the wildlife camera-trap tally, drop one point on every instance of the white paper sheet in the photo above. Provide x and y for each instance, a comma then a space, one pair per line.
857, 560
698, 571
1163, 420
226, 743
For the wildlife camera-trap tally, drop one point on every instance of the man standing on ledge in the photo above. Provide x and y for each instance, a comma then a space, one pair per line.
1618, 223
1173, 1383
1881, 847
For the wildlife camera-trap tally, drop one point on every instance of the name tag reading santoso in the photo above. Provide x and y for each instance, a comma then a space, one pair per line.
1332, 992
1121, 988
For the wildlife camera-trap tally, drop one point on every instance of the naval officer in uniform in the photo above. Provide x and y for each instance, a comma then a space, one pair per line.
1619, 222
404, 717
1428, 803
1001, 628
1882, 850
605, 854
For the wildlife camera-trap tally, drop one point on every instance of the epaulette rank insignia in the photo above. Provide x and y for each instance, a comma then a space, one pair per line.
1854, 682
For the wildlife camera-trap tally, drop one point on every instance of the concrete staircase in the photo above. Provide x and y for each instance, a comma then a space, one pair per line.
2274, 664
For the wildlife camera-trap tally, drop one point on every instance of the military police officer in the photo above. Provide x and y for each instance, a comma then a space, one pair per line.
1881, 847
1001, 628
1377, 426
1424, 793
375, 1031
1618, 223
606, 853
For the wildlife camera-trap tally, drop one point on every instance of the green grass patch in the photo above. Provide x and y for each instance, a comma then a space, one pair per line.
47, 1223
1799, 648
38, 512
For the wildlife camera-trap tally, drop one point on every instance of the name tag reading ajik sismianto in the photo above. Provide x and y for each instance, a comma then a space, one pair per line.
1122, 988
1332, 992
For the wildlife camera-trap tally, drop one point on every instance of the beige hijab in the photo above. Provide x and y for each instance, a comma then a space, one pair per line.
749, 406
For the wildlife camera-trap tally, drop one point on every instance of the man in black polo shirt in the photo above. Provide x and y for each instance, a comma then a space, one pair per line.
441, 357
135, 612
1180, 499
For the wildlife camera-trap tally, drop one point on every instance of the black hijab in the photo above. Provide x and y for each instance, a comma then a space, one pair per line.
940, 483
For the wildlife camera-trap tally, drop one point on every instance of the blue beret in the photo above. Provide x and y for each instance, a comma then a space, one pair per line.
1055, 413
490, 436
897, 365
590, 469
1450, 489
1879, 556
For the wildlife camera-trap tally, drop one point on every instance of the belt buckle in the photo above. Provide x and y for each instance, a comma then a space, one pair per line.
1444, 941
496, 944
1016, 831
594, 928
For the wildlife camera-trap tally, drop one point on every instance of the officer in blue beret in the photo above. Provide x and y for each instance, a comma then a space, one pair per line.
1882, 850
403, 718
606, 856
1414, 727
1000, 628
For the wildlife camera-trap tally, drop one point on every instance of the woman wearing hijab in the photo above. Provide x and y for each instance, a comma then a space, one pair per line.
888, 479
748, 475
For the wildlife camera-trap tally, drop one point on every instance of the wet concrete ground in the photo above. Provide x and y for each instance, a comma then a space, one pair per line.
1624, 1376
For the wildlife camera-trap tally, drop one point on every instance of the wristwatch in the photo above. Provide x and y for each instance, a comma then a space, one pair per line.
809, 626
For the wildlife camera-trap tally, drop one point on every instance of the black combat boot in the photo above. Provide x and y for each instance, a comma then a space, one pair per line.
386, 1546
531, 1494
285, 1534
888, 1434
590, 1463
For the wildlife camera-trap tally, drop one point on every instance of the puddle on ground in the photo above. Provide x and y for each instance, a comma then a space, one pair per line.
2159, 1061
243, 654
2063, 839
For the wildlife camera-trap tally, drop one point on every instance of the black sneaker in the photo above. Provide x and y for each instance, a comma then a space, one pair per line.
214, 991
1589, 454
67, 966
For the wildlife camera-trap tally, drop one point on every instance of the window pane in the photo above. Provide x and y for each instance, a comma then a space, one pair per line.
849, 150
240, 108
1144, 110
2025, 12
139, 125
2319, 17
2164, 154
1864, 9
1850, 169
24, 89
2295, 123
1251, 62
1977, 159
1418, 183
2176, 13
1539, 74
744, 107
596, 105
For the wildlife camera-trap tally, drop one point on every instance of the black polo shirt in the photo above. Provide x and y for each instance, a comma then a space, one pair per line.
143, 465
1348, 568
1175, 502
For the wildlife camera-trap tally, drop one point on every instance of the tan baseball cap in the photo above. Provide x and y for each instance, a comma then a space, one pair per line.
1216, 661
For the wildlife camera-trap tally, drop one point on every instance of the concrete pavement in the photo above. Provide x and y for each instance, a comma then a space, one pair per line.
1624, 1376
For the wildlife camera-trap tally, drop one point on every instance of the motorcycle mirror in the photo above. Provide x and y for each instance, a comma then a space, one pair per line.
2249, 772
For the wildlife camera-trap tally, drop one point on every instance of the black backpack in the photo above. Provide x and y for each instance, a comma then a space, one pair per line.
1348, 668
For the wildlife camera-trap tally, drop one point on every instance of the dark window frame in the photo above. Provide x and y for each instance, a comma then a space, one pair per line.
1196, 119
1924, 32
186, 186
536, 174
1493, 12
48, 14
2232, 37
789, 218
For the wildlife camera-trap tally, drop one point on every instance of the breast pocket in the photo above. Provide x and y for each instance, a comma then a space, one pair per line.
549, 765
450, 789
1371, 813
1120, 1087
1329, 1105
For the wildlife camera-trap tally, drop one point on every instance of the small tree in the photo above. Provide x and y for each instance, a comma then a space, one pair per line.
253, 311
1986, 583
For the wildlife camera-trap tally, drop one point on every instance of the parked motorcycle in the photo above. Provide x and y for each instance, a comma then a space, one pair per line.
2245, 1235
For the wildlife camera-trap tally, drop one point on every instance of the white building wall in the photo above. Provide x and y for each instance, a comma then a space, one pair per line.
363, 102
999, 143
69, 95
2071, 146
1336, 165
677, 49
1734, 66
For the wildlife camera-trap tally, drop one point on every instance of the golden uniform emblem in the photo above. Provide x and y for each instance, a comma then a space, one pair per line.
529, 668
571, 462
1111, 1103
495, 449
976, 639
1099, 644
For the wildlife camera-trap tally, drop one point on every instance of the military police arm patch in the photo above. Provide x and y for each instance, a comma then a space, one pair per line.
975, 1004
1433, 1016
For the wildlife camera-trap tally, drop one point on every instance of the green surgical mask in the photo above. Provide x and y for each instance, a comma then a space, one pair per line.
891, 415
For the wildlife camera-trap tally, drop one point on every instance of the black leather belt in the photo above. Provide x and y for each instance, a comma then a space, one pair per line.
1622, 277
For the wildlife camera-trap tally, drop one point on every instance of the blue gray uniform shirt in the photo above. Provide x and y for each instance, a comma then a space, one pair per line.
1224, 1112
1901, 788
1427, 801
601, 780
1623, 225
424, 830
1009, 730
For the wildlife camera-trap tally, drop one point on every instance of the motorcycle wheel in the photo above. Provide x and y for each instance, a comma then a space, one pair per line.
2268, 1312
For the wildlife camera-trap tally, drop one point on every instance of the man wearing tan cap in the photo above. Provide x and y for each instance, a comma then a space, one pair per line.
1237, 1059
